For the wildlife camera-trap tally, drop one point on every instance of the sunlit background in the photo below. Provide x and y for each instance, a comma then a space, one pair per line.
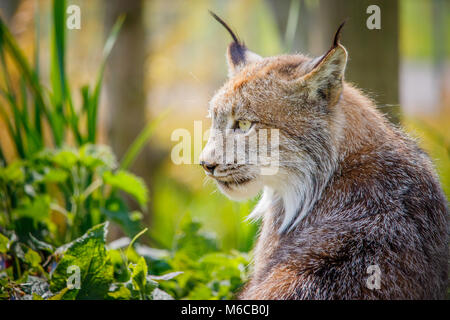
170, 55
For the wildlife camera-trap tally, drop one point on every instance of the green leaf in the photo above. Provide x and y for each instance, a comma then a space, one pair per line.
141, 286
60, 295
55, 175
41, 245
13, 173
33, 258
192, 242
159, 294
139, 274
37, 209
129, 183
120, 292
65, 158
93, 156
117, 211
200, 292
89, 254
166, 276
37, 297
4, 244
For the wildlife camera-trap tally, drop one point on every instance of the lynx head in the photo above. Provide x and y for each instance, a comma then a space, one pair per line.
292, 97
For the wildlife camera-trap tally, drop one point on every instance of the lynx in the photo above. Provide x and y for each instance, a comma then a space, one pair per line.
352, 190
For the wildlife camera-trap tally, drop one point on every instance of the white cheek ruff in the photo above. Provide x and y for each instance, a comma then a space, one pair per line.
263, 205
242, 192
298, 195
298, 201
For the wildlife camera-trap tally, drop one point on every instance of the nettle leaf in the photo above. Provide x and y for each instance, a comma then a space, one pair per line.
192, 242
119, 292
139, 274
4, 244
166, 276
140, 283
13, 173
157, 258
38, 209
41, 245
116, 210
201, 292
60, 295
65, 158
54, 175
129, 183
159, 294
33, 258
93, 156
88, 254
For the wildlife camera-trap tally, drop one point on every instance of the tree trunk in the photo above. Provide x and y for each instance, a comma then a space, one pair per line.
8, 8
125, 76
281, 10
373, 54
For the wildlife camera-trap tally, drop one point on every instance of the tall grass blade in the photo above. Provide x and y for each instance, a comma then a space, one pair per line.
291, 26
92, 109
37, 106
3, 162
139, 143
8, 43
58, 68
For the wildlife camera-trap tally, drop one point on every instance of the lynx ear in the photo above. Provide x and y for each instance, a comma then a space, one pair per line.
326, 77
237, 53
239, 56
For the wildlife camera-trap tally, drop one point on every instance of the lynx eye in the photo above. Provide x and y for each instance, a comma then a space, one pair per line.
243, 125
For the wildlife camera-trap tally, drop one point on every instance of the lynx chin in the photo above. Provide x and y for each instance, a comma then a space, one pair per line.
351, 190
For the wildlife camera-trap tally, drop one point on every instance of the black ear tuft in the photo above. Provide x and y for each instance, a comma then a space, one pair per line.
237, 48
237, 53
226, 26
337, 35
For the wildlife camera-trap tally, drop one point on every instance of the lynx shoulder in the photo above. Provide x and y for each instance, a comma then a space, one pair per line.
351, 194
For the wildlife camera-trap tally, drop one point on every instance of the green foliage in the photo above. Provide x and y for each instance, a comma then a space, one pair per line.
82, 269
435, 139
87, 268
87, 253
4, 244
140, 141
32, 106
208, 272
416, 41
129, 183
56, 196
48, 185
74, 187
172, 200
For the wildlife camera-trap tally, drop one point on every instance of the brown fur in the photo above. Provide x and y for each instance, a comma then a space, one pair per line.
374, 196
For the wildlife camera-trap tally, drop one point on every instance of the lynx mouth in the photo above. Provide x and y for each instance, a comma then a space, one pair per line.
233, 182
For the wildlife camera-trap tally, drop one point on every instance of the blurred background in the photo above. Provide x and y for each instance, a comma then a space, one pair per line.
170, 55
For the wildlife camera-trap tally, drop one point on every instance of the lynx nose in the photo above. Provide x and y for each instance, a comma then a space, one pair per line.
209, 167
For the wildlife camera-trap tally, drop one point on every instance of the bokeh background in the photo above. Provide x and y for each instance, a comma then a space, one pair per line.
170, 55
